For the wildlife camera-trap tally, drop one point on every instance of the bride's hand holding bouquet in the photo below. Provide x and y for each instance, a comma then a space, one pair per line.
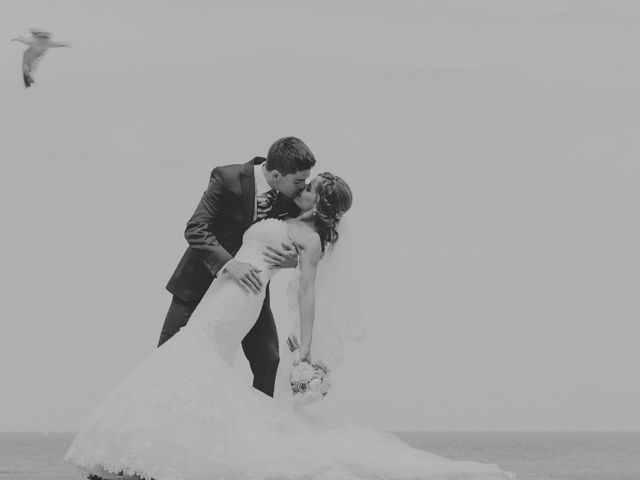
299, 354
310, 382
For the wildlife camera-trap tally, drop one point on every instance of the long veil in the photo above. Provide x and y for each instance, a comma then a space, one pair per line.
338, 307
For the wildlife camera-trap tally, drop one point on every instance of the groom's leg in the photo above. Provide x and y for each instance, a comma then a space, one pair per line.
261, 348
177, 317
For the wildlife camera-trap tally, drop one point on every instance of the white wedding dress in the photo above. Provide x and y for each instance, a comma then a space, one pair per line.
185, 414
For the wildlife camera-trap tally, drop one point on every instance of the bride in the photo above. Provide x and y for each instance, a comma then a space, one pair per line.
185, 414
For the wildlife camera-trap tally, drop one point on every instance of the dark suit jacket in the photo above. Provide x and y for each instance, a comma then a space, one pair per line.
215, 229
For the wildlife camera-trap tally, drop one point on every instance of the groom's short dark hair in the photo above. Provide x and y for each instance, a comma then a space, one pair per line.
289, 155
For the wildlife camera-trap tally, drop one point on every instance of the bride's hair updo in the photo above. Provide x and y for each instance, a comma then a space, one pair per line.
334, 199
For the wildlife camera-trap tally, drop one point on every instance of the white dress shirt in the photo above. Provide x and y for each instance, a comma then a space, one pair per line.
262, 187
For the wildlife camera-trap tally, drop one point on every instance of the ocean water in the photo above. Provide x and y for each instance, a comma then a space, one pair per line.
542, 455
531, 455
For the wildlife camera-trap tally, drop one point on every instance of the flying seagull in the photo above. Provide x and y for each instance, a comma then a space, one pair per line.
39, 42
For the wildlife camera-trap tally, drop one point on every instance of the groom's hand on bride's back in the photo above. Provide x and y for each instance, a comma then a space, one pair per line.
245, 274
284, 257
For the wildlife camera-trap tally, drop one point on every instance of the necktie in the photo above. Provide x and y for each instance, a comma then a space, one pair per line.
264, 203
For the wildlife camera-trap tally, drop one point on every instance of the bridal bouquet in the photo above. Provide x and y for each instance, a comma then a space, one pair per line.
309, 382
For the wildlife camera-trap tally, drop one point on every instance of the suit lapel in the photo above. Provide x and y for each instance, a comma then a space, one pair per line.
248, 186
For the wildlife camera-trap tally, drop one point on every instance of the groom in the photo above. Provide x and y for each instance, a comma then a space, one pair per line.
237, 197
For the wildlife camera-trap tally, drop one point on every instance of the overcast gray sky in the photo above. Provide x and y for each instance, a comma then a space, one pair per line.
492, 147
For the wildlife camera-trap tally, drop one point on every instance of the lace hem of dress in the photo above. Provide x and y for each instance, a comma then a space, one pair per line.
134, 468
119, 471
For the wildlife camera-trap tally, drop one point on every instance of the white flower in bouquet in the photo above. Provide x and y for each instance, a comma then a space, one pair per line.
315, 385
303, 371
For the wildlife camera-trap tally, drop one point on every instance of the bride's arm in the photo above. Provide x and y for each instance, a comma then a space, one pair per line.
310, 254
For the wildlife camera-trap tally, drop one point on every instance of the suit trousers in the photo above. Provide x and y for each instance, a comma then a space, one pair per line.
260, 344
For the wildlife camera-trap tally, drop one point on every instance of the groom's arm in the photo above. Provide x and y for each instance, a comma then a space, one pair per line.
199, 232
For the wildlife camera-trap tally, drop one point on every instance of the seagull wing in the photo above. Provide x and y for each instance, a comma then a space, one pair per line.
30, 60
39, 33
